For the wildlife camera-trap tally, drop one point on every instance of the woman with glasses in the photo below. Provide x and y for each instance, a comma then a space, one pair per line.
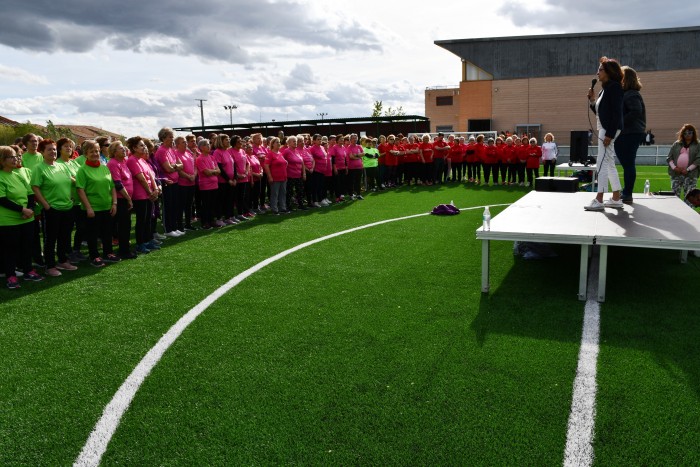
683, 161
16, 220
52, 183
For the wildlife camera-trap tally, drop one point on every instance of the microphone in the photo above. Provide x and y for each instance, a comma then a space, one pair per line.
593, 81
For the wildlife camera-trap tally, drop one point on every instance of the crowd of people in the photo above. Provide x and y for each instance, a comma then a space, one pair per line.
56, 199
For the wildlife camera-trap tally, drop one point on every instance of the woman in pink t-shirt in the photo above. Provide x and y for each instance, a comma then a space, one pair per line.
124, 184
146, 192
339, 161
354, 153
318, 175
186, 182
242, 174
167, 160
275, 168
207, 179
260, 151
296, 174
227, 182
309, 165
255, 171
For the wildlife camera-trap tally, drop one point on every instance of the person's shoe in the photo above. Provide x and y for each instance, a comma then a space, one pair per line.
19, 273
112, 258
595, 206
128, 255
151, 246
155, 242
159, 236
190, 228
353, 197
614, 203
627, 199
13, 283
324, 203
39, 263
97, 262
339, 199
316, 204
142, 249
180, 232
115, 242
360, 197
304, 208
76, 257
241, 218
66, 266
52, 272
171, 234
33, 276
207, 227
219, 223
231, 221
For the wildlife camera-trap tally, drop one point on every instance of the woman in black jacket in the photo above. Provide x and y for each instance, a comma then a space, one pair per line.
635, 122
608, 110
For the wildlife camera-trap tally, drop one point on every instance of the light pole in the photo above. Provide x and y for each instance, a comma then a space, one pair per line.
201, 108
231, 108
322, 114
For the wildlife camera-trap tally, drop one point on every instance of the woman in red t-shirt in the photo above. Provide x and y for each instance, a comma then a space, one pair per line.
426, 156
534, 154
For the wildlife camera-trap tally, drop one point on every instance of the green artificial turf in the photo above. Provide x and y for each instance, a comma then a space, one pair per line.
372, 347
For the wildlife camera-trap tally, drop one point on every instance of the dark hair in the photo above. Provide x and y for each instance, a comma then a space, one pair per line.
688, 126
27, 137
62, 141
132, 142
235, 139
43, 143
612, 68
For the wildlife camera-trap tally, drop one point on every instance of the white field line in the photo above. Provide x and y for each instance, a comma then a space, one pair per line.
581, 427
102, 433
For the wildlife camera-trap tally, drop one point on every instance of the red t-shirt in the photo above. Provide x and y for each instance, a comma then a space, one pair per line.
427, 150
439, 151
383, 150
412, 157
534, 154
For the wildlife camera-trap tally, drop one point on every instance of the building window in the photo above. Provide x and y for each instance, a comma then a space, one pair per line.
443, 100
444, 128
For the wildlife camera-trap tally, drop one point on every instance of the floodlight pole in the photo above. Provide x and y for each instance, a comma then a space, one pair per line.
201, 108
231, 108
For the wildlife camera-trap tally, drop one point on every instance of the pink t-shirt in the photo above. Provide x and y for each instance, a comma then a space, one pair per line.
320, 157
187, 160
121, 173
255, 166
164, 154
340, 157
241, 162
223, 157
138, 166
355, 149
260, 152
294, 163
306, 156
683, 158
278, 166
206, 182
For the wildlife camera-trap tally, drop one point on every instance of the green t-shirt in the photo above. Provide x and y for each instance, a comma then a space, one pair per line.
26, 174
55, 183
98, 185
15, 188
73, 167
372, 161
80, 160
31, 160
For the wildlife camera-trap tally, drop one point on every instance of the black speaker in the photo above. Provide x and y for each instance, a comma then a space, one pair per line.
579, 147
557, 184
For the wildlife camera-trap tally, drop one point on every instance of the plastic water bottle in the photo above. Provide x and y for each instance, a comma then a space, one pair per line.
647, 188
452, 203
487, 219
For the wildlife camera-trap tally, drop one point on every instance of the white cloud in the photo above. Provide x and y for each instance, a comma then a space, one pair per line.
21, 76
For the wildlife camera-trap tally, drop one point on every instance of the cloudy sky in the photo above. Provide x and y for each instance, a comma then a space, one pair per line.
133, 66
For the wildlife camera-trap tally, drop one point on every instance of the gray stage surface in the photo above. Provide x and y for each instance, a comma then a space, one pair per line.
651, 222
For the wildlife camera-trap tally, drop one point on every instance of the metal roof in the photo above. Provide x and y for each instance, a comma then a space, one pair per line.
578, 53
326, 122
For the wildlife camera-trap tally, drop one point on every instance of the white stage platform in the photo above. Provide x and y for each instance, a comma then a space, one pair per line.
663, 222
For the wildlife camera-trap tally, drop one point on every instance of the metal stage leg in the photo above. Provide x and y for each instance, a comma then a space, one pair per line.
583, 273
602, 272
485, 266
684, 256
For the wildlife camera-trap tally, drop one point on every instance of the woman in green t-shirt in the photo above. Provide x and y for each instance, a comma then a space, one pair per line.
52, 183
99, 202
16, 220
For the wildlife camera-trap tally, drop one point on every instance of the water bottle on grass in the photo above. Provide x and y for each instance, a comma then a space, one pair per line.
647, 188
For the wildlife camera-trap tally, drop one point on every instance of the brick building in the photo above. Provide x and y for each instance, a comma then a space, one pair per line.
538, 84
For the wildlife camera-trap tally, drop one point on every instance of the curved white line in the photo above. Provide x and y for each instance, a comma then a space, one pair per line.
96, 445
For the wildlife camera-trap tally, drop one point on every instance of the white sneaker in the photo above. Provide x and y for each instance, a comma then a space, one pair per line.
316, 204
595, 206
324, 203
158, 236
179, 232
613, 203
171, 234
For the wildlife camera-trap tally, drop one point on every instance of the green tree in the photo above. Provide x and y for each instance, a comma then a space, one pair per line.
56, 132
377, 109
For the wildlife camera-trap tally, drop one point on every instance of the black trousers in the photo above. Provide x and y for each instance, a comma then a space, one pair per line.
226, 200
16, 241
58, 228
99, 226
186, 194
171, 207
208, 199
242, 205
354, 182
123, 225
143, 209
